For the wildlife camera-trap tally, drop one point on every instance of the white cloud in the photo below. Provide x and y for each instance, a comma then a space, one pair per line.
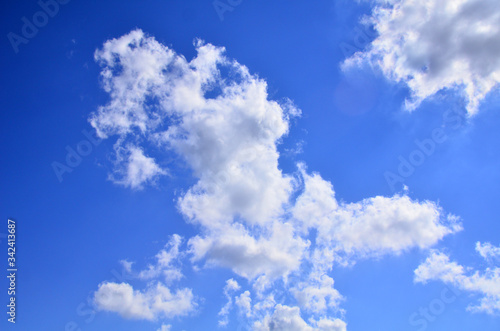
227, 130
436, 44
371, 227
165, 261
155, 302
244, 303
127, 265
331, 325
487, 283
132, 67
165, 327
231, 286
488, 251
317, 294
274, 254
135, 169
285, 318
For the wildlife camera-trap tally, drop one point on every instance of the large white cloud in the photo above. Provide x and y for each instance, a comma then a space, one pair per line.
372, 227
487, 283
436, 44
218, 118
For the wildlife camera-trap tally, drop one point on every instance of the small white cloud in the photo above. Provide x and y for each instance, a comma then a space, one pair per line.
487, 283
165, 327
488, 251
244, 303
155, 302
285, 318
231, 286
317, 294
436, 44
136, 169
165, 262
336, 324
127, 265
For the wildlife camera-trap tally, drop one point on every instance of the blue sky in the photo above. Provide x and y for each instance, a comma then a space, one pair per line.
252, 165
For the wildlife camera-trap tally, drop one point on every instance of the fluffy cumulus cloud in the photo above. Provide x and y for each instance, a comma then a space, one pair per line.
371, 227
273, 254
486, 284
138, 168
253, 219
155, 302
432, 45
318, 294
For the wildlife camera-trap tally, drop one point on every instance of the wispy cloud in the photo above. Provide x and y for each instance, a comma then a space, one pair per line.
486, 283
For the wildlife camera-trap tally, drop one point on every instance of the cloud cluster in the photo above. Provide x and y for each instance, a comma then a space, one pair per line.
253, 219
432, 45
486, 283
157, 300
